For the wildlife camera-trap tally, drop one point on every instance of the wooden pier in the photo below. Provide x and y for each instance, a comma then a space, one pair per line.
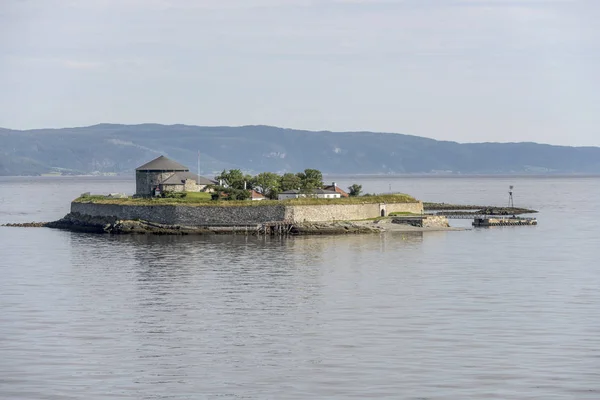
503, 221
487, 220
276, 228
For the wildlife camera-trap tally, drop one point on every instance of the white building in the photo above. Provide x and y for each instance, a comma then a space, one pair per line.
316, 193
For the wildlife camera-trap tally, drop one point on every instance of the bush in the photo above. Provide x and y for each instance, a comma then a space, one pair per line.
230, 194
355, 190
173, 195
203, 199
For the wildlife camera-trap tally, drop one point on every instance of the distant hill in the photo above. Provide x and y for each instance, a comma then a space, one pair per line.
108, 148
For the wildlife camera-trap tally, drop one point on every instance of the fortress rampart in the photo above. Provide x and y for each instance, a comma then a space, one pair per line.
205, 215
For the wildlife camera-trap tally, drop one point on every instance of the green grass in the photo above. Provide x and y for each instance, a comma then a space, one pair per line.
384, 198
368, 219
200, 196
204, 199
402, 214
392, 214
190, 198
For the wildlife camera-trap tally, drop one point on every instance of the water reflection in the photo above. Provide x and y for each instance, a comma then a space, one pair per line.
224, 305
500, 313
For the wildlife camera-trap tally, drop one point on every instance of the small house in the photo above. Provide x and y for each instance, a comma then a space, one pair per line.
255, 196
335, 188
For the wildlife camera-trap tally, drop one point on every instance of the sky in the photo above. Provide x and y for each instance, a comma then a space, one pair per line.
460, 70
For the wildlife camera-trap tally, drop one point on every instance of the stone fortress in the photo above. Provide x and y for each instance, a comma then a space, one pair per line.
162, 175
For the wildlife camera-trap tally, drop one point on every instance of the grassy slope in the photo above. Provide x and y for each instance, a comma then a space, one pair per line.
203, 199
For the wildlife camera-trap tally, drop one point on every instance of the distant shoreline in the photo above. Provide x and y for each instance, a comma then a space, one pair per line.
350, 176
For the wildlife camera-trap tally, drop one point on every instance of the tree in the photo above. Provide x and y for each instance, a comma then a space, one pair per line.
267, 183
290, 181
235, 179
229, 193
248, 183
237, 194
354, 190
310, 179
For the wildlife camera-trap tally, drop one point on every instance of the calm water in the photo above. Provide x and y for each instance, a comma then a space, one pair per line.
501, 313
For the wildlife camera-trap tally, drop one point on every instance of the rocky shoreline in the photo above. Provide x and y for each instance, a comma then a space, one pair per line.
76, 222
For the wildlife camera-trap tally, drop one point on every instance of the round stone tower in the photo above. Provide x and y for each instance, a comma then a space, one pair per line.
150, 176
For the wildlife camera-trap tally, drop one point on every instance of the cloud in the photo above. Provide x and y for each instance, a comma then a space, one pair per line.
74, 64
144, 5
55, 62
346, 64
367, 2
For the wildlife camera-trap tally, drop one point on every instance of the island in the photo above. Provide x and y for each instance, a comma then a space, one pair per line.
170, 199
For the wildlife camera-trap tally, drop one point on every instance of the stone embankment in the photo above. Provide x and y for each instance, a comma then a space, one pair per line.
86, 223
403, 224
332, 228
244, 215
83, 223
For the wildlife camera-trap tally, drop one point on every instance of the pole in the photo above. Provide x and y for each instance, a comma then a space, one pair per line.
198, 181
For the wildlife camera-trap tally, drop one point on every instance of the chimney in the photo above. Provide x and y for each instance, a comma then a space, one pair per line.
334, 185
244, 185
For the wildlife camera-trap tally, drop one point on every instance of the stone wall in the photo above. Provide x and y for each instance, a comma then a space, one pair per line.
345, 212
185, 215
231, 215
189, 185
173, 188
333, 212
414, 208
145, 181
435, 222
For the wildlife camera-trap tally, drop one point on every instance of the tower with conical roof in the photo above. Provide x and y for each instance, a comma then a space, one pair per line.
151, 175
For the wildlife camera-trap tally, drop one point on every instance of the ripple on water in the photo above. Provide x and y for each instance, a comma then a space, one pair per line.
494, 314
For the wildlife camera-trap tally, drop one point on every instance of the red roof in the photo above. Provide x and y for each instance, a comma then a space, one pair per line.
255, 195
336, 188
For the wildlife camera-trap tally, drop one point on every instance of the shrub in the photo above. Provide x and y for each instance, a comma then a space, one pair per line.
173, 195
355, 190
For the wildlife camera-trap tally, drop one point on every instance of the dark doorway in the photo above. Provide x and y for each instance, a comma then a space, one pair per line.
383, 213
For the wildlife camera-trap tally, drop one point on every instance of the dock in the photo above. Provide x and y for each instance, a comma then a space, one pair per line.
276, 228
503, 221
487, 220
